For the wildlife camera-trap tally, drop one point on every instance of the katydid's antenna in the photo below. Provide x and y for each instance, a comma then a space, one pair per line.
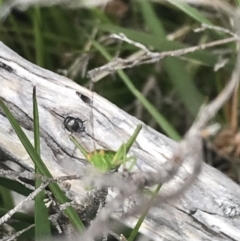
91, 114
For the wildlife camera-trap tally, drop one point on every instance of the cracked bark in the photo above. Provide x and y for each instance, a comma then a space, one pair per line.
209, 210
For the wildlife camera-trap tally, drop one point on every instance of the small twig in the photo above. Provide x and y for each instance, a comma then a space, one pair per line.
217, 28
14, 236
54, 220
29, 186
14, 175
117, 237
124, 38
31, 196
234, 110
147, 57
64, 206
209, 111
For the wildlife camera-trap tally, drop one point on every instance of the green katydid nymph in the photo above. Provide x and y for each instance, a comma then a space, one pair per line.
107, 160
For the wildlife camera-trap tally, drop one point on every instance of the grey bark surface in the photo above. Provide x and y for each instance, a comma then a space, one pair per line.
209, 210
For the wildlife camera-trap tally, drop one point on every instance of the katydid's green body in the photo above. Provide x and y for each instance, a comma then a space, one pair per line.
106, 160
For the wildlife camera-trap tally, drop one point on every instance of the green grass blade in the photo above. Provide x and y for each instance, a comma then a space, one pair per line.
151, 19
42, 224
192, 12
58, 193
19, 216
143, 215
37, 21
176, 70
26, 143
20, 36
15, 186
6, 198
160, 119
36, 123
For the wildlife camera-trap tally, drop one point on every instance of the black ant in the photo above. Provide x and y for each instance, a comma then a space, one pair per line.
73, 124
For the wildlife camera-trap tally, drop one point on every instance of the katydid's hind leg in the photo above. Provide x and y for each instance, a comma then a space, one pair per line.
134, 160
124, 156
128, 159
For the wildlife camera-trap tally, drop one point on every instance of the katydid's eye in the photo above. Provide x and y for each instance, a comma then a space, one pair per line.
73, 124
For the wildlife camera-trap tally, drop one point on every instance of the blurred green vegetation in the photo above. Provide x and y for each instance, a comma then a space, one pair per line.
56, 38
74, 41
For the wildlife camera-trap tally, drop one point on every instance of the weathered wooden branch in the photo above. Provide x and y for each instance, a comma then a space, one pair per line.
209, 210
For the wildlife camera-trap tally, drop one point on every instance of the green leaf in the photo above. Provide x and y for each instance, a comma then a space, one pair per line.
42, 224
